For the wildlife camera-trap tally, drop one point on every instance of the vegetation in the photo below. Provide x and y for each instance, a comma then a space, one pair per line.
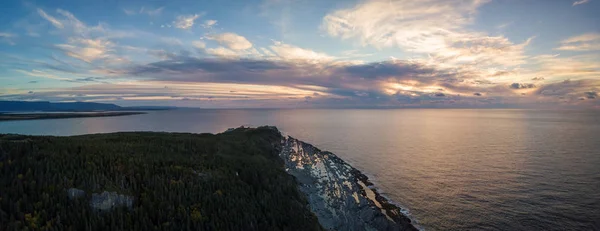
229, 181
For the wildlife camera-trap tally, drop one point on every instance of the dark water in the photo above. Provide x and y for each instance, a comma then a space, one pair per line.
452, 169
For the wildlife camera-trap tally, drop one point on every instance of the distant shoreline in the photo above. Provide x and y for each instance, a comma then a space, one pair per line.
41, 116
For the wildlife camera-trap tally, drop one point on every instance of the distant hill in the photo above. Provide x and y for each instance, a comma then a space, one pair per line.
148, 108
28, 106
7, 106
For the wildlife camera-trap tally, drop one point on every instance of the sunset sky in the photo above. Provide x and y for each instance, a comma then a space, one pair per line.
300, 53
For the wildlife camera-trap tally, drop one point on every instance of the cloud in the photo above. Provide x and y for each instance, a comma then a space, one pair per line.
129, 12
71, 26
87, 79
171, 41
584, 42
42, 74
209, 23
50, 19
140, 91
504, 25
7, 38
154, 12
244, 81
185, 22
450, 63
580, 2
385, 80
76, 25
143, 10
570, 88
222, 52
431, 27
87, 50
231, 41
290, 52
90, 44
522, 85
199, 44
554, 67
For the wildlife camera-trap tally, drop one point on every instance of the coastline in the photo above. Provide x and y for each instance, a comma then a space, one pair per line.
391, 208
61, 115
337, 195
331, 186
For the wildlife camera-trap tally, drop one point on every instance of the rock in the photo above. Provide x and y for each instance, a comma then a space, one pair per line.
108, 200
74, 193
229, 130
339, 195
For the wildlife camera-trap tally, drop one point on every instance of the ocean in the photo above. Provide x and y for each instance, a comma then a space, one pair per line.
451, 169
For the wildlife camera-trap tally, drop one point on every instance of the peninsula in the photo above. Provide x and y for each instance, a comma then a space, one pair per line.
241, 179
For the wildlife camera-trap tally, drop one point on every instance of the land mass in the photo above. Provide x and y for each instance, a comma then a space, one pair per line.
44, 106
38, 116
241, 179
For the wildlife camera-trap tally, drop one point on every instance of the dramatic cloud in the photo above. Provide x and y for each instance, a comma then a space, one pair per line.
185, 22
433, 27
585, 42
231, 41
376, 53
383, 80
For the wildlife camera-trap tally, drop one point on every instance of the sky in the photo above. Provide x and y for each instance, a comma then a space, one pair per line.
303, 54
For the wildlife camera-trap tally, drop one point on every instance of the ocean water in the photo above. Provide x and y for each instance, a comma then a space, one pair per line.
451, 169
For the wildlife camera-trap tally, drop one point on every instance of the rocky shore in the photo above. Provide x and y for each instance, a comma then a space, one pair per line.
340, 195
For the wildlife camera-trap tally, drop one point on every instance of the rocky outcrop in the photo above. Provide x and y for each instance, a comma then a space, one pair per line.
340, 195
75, 193
104, 201
108, 200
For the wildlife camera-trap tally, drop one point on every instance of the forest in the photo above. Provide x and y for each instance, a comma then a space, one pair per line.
228, 181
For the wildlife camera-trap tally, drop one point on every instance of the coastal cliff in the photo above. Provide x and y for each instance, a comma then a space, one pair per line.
338, 194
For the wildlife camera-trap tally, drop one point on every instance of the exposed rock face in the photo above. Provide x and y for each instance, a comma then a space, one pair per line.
108, 200
74, 193
338, 193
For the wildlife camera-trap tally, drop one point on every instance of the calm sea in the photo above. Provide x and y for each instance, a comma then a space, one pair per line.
452, 169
